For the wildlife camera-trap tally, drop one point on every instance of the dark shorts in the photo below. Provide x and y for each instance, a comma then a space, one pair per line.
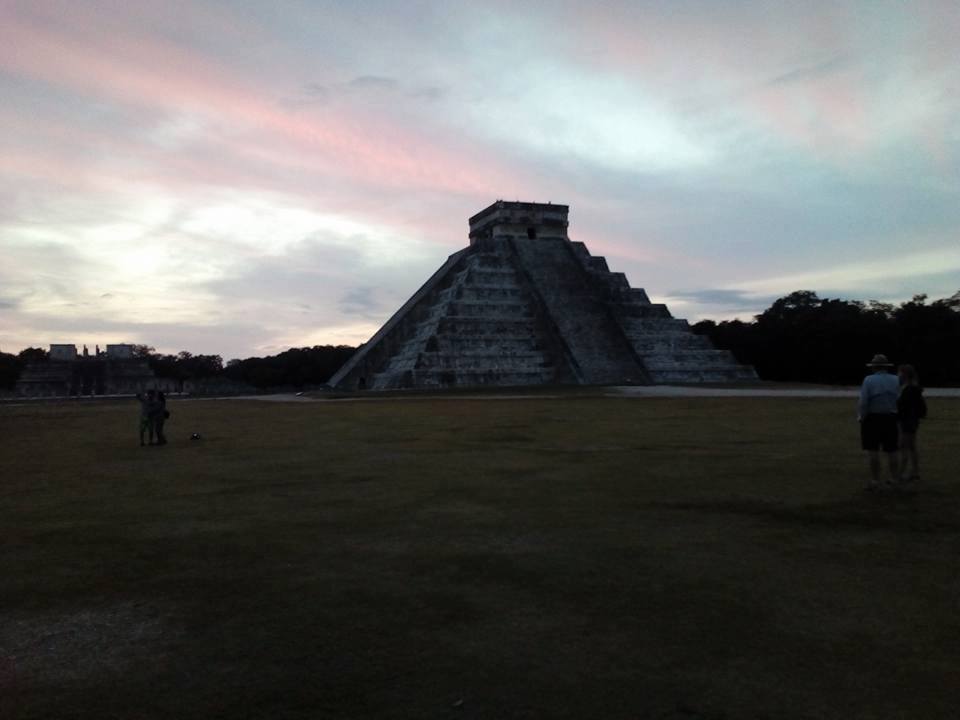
879, 431
909, 427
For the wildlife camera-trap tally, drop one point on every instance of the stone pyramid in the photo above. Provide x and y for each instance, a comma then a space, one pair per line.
524, 305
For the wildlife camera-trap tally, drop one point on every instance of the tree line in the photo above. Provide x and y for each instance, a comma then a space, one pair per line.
800, 338
805, 338
295, 368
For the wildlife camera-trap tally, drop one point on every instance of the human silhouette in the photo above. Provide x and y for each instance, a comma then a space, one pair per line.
911, 409
877, 413
160, 417
148, 406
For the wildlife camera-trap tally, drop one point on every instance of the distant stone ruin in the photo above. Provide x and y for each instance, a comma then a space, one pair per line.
524, 305
65, 372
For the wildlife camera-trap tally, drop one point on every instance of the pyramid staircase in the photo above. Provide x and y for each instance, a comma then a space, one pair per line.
668, 349
482, 326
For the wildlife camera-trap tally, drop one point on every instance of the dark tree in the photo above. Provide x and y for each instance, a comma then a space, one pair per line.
929, 338
184, 365
33, 355
297, 367
143, 351
803, 337
10, 367
199, 366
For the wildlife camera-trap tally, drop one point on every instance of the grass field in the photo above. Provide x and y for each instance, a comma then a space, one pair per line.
545, 558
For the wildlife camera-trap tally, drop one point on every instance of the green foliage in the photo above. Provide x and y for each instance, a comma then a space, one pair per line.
297, 367
803, 337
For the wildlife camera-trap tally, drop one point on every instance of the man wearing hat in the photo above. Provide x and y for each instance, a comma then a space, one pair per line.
877, 413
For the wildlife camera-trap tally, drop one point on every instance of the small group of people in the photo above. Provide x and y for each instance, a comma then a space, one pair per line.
153, 416
890, 410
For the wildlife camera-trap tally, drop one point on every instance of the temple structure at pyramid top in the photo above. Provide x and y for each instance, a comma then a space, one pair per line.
525, 305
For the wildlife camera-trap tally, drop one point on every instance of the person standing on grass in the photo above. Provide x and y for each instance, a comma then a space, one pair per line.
911, 409
148, 404
160, 417
877, 413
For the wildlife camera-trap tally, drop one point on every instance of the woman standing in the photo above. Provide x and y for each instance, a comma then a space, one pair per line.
160, 417
148, 414
911, 409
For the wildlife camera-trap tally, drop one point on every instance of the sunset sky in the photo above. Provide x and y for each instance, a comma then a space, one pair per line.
239, 177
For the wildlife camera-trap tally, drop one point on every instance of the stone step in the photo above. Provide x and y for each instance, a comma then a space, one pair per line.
496, 278
475, 291
631, 310
639, 295
493, 361
687, 367
650, 347
653, 325
655, 367
465, 344
490, 261
450, 378
704, 375
615, 283
504, 354
488, 354
484, 326
580, 250
598, 264
669, 336
489, 309
704, 354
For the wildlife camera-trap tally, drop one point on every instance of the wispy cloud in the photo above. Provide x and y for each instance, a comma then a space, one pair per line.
810, 72
361, 302
733, 300
373, 82
875, 277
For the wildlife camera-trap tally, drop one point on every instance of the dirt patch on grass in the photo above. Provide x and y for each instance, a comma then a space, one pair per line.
91, 645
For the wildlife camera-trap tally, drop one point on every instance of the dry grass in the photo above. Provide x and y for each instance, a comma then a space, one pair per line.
562, 558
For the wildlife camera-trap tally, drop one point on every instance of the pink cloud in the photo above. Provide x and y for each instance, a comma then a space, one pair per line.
127, 67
